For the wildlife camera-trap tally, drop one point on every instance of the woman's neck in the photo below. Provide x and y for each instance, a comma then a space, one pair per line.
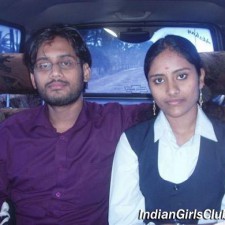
183, 127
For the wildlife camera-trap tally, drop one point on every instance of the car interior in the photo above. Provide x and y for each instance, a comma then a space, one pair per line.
118, 34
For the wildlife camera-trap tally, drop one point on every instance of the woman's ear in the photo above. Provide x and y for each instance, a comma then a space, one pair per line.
202, 78
33, 81
86, 72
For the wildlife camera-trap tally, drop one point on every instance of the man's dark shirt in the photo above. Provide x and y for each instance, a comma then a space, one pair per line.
62, 178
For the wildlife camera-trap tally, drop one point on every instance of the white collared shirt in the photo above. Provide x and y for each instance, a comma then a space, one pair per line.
175, 163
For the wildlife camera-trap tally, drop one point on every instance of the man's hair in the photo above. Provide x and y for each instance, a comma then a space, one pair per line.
49, 33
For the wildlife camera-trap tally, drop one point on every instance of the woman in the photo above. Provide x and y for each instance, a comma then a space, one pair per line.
170, 169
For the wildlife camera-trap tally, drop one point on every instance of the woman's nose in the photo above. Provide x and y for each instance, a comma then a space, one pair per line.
172, 88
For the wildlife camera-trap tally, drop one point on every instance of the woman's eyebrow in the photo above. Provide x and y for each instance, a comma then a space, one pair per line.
175, 71
155, 75
181, 69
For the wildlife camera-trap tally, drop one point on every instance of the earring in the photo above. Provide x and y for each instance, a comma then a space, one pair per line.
85, 85
154, 108
200, 99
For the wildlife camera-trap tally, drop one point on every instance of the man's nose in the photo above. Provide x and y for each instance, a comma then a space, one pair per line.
56, 71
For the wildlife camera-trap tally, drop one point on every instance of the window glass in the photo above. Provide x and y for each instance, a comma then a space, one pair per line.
118, 65
200, 37
10, 39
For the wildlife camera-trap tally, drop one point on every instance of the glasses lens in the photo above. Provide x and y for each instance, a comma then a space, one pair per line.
43, 66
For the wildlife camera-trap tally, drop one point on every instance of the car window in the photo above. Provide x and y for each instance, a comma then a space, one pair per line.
200, 37
118, 65
10, 39
10, 42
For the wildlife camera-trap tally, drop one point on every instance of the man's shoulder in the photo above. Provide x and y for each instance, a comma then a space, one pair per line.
103, 106
98, 110
25, 116
115, 107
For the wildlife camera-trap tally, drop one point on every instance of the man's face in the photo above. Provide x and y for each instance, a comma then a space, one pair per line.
58, 75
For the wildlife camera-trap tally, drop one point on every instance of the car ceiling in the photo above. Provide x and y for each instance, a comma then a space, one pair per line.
33, 14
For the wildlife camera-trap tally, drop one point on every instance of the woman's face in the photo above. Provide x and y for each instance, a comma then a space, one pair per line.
175, 84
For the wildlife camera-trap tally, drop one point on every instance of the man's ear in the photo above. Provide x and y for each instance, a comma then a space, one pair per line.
33, 80
86, 72
202, 78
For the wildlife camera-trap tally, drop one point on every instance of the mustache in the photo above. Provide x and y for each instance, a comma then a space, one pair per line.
52, 81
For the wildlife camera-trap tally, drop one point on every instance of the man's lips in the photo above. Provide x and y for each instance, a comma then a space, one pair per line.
56, 85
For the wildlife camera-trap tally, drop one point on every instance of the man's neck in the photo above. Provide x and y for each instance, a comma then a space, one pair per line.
63, 118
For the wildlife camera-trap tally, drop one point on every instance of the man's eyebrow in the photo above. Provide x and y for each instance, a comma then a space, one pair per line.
60, 57
68, 55
42, 58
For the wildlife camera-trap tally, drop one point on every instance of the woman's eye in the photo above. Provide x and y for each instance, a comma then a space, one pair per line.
158, 80
182, 76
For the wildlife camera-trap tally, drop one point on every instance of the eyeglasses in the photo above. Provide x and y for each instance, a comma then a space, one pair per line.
64, 64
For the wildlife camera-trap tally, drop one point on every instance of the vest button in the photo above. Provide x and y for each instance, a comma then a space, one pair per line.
176, 187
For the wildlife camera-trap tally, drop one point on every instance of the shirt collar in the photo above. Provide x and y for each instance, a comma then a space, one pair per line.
203, 126
41, 118
161, 126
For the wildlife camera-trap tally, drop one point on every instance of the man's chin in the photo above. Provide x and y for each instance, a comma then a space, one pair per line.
59, 102
59, 98
62, 101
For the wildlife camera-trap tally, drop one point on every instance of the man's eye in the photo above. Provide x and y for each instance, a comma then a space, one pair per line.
66, 64
182, 76
43, 66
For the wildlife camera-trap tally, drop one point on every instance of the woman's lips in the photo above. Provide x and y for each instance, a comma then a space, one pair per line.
174, 101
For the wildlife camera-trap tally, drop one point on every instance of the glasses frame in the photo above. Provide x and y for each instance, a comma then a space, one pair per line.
72, 65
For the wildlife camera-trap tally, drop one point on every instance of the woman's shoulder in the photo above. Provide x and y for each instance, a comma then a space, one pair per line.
140, 131
217, 123
146, 125
219, 128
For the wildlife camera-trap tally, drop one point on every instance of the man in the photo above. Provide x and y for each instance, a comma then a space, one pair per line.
55, 160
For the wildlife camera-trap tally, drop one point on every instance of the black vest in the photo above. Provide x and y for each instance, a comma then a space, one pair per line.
204, 189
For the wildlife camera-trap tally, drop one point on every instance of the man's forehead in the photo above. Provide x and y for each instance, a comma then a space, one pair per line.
56, 41
56, 48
